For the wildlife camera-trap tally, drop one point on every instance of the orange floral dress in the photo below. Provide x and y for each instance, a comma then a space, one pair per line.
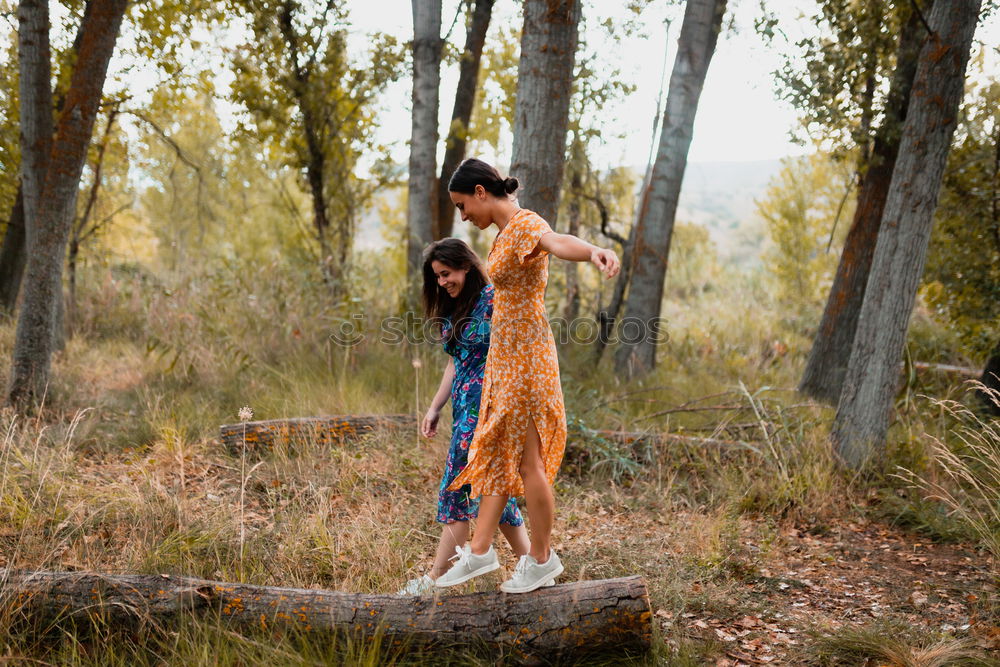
521, 379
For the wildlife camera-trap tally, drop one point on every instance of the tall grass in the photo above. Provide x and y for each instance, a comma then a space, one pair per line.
964, 471
123, 471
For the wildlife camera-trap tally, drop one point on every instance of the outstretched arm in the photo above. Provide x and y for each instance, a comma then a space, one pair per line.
573, 249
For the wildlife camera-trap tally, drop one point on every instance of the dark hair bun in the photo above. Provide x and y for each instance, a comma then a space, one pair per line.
473, 173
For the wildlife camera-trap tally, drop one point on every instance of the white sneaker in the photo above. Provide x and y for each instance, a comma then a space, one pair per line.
467, 566
530, 574
421, 586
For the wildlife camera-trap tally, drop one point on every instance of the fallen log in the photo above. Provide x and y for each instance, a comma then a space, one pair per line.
259, 437
561, 621
263, 436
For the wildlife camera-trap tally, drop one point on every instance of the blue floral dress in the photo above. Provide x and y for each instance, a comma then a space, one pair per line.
469, 348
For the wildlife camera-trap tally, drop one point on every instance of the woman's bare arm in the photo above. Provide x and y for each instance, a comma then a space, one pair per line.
429, 425
573, 249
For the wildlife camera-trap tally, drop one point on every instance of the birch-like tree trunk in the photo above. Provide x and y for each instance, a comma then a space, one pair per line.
823, 377
465, 96
862, 420
541, 113
422, 195
35, 88
695, 48
43, 273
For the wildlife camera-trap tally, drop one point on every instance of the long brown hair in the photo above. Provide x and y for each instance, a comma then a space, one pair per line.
455, 254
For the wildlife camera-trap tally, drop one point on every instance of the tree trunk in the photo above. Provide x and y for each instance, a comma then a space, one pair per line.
572, 308
82, 227
43, 273
422, 195
564, 622
823, 377
36, 129
541, 113
35, 83
316, 162
699, 34
606, 317
862, 420
34, 57
13, 255
259, 437
989, 393
465, 96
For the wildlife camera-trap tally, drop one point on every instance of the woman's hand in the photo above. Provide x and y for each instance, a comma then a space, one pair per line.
606, 261
429, 426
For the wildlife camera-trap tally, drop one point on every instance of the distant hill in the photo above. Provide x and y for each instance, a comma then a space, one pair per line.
720, 196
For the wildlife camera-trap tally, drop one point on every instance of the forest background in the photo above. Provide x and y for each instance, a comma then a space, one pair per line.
251, 189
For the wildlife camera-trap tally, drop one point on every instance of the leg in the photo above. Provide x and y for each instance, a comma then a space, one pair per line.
452, 535
517, 538
538, 494
490, 511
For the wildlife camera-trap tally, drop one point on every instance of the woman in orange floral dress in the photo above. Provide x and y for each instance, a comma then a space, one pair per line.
519, 441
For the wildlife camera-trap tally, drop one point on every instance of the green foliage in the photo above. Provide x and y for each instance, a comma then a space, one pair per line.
694, 262
493, 108
310, 106
837, 77
800, 208
962, 278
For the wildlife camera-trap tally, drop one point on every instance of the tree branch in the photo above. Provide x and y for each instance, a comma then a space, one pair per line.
167, 139
920, 15
603, 211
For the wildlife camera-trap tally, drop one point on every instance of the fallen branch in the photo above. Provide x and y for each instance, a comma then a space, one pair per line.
946, 368
264, 436
562, 621
633, 438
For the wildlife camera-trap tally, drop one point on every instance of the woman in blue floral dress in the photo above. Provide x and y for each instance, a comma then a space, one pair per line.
457, 294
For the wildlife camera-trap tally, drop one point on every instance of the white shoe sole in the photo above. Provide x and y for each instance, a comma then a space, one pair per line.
507, 588
485, 569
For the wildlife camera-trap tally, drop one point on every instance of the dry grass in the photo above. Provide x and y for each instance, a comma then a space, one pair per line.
890, 645
122, 473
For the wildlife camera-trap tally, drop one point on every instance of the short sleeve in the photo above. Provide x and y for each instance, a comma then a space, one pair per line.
529, 230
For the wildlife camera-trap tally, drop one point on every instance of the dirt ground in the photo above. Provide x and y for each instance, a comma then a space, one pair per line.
855, 572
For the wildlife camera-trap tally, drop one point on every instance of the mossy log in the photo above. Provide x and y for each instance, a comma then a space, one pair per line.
260, 437
566, 620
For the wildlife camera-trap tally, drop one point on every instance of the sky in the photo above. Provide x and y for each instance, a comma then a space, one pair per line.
739, 116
